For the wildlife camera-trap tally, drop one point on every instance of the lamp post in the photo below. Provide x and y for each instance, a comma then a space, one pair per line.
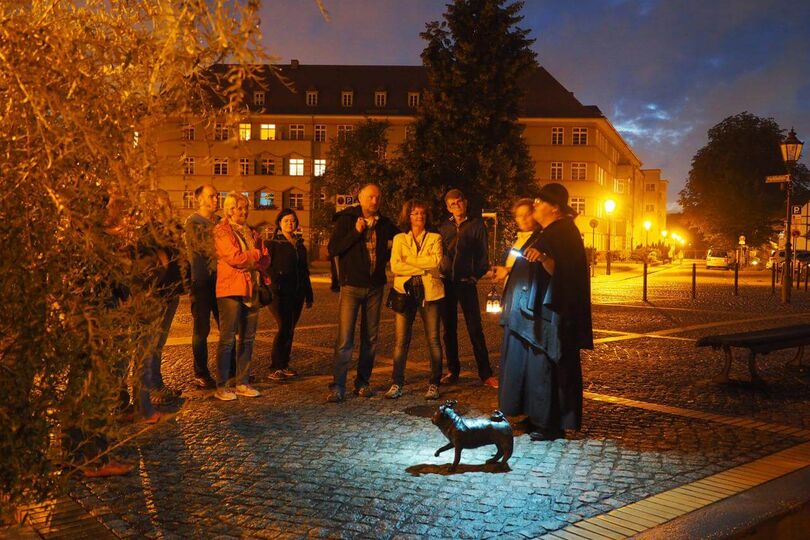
791, 152
647, 225
610, 206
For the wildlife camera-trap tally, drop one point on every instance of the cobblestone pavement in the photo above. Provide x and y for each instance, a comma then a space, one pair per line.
287, 465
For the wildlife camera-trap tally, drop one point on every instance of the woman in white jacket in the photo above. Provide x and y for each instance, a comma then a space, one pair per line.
415, 257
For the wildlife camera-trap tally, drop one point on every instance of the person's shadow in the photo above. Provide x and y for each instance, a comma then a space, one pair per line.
444, 469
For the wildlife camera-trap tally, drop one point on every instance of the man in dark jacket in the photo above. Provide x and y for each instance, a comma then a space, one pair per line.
465, 261
361, 240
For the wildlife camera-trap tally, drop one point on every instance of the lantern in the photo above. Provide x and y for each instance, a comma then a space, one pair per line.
494, 301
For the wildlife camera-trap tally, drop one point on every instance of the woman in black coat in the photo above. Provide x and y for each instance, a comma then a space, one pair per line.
292, 288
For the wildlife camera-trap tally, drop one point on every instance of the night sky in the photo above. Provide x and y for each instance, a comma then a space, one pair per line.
662, 71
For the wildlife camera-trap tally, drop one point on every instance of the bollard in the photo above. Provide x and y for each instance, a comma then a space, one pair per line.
645, 282
694, 279
773, 279
806, 275
736, 278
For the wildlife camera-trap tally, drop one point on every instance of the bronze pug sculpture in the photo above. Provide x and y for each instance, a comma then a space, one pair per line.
473, 433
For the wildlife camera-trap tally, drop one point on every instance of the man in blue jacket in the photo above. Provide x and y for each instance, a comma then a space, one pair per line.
361, 239
465, 261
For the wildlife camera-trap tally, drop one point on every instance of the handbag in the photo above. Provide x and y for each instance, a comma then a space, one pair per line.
398, 301
265, 292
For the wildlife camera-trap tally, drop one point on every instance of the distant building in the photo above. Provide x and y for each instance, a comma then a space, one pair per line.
275, 151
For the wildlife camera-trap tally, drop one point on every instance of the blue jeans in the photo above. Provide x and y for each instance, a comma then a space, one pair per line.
404, 330
235, 316
368, 302
203, 303
157, 351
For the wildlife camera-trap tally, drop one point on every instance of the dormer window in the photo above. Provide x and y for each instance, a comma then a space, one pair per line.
258, 98
312, 98
380, 98
413, 99
347, 98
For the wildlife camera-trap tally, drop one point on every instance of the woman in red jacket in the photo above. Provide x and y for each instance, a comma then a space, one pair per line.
241, 259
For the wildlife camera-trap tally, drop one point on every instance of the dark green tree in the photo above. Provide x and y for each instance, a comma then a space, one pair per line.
466, 133
726, 194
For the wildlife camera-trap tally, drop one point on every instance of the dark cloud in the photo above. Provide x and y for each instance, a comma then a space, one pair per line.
663, 72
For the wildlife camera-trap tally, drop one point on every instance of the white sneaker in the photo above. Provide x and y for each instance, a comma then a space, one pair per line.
394, 392
246, 390
225, 394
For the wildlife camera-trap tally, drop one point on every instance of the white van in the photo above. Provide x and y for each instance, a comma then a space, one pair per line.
718, 258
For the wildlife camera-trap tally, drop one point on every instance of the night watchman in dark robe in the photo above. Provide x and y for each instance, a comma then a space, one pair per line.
547, 321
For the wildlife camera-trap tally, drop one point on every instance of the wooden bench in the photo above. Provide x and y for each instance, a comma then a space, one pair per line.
758, 342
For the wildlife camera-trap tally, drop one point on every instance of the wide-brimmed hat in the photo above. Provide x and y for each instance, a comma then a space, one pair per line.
557, 195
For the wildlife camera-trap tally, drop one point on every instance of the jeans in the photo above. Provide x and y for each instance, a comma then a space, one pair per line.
203, 303
404, 329
156, 377
368, 302
466, 294
286, 308
235, 316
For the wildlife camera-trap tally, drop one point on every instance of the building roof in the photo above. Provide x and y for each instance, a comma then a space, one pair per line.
544, 96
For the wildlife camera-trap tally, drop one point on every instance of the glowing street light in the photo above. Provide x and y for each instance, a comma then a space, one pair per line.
647, 225
791, 152
610, 206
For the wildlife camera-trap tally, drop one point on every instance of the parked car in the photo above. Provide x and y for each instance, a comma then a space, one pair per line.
778, 257
719, 258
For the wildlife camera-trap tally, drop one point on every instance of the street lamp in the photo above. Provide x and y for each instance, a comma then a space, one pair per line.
791, 152
647, 225
610, 206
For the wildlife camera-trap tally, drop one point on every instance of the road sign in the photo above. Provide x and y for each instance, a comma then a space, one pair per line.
777, 179
344, 201
797, 209
594, 224
742, 240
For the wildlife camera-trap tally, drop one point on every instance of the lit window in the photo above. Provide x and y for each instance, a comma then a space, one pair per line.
188, 166
650, 187
297, 132
649, 208
297, 201
267, 167
319, 167
312, 98
413, 99
188, 199
220, 132
556, 135
580, 136
578, 171
618, 185
221, 166
296, 167
244, 132
320, 132
578, 204
344, 130
258, 98
244, 166
347, 98
380, 99
556, 170
267, 132
265, 199
188, 132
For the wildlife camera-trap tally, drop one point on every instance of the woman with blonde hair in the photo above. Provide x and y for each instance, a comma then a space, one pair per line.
241, 260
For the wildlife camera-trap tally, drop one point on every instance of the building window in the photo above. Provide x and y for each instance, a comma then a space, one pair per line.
244, 166
297, 132
258, 98
244, 132
267, 132
578, 171
296, 167
320, 132
578, 204
556, 135
187, 132
265, 199
188, 199
649, 208
267, 167
580, 136
556, 170
413, 99
618, 185
221, 167
347, 98
380, 99
344, 130
318, 167
312, 98
220, 132
297, 201
188, 166
649, 187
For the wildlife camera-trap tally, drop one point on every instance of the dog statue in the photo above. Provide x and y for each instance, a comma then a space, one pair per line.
473, 433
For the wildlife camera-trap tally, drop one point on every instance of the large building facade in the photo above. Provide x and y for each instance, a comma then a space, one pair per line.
274, 152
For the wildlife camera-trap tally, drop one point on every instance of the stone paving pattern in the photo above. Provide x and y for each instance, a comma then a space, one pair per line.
287, 465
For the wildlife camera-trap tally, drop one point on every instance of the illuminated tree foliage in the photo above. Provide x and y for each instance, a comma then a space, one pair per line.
726, 195
86, 85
